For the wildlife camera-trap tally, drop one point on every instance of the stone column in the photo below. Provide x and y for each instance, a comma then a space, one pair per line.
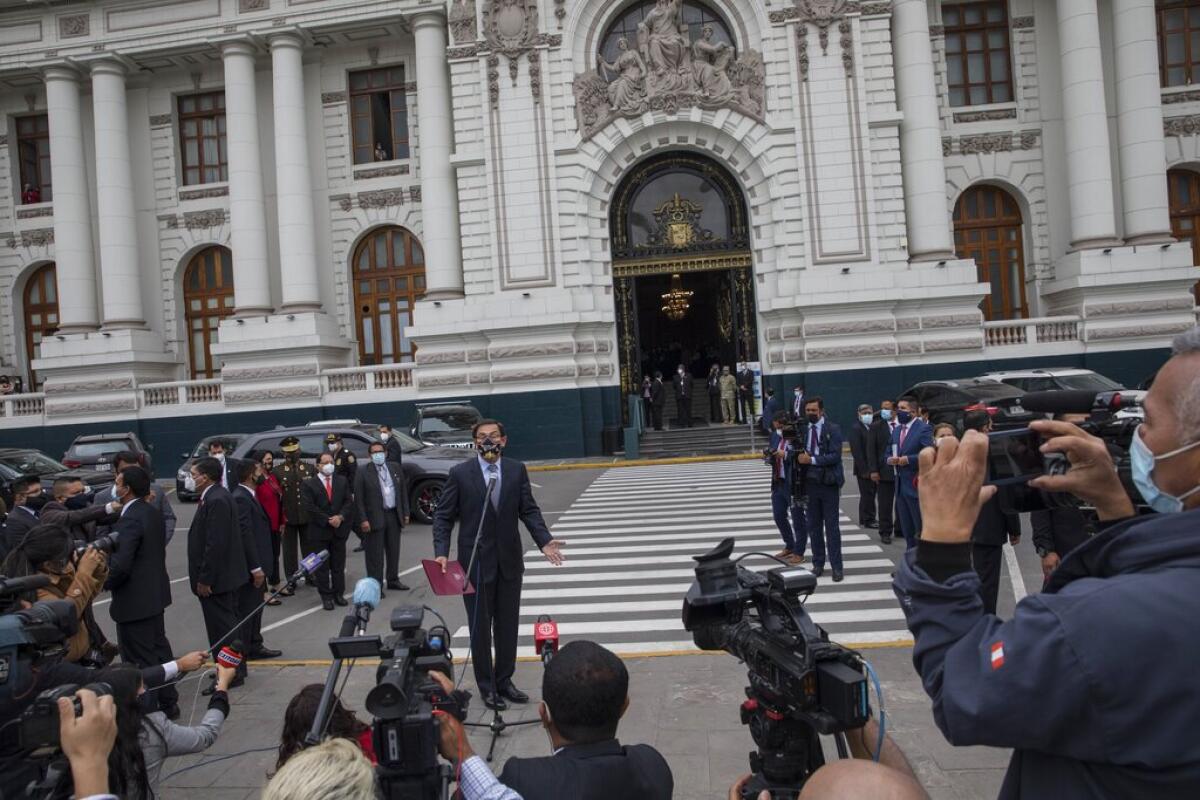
439, 188
1143, 156
293, 177
924, 169
74, 260
247, 209
121, 284
1085, 124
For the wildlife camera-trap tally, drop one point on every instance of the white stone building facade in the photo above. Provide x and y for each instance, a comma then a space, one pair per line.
849, 134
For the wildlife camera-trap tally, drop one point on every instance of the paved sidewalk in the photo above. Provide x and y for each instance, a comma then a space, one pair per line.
687, 706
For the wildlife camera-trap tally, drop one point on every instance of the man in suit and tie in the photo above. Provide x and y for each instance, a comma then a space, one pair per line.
884, 476
745, 386
863, 453
28, 501
381, 494
798, 404
822, 455
910, 437
770, 409
784, 496
216, 561
158, 499
682, 383
138, 580
658, 399
256, 545
216, 449
328, 505
395, 453
499, 562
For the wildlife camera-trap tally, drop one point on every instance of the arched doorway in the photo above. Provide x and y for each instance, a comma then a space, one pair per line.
207, 297
389, 278
682, 269
987, 228
40, 304
1184, 188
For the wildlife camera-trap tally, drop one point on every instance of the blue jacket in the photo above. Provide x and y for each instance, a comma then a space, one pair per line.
770, 409
919, 436
1092, 682
829, 457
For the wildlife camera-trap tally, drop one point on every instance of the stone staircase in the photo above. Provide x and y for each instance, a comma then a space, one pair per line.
701, 440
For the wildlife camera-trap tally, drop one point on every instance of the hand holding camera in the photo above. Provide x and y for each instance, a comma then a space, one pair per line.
1092, 476
86, 739
951, 487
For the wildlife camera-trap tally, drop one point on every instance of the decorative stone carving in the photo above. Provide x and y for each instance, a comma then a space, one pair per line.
665, 71
908, 323
822, 14
560, 12
159, 120
343, 200
39, 237
941, 345
477, 355
198, 220
875, 9
985, 143
550, 39
103, 385
535, 76
510, 27
3, 140
203, 194
245, 6
235, 397
414, 194
1138, 307
587, 370
534, 374
1022, 23
381, 199
850, 351
1132, 331
1182, 126
74, 25
169, 220
31, 213
950, 321
1181, 97
853, 326
333, 98
985, 116
531, 350
937, 31
91, 407
603, 347
381, 172
462, 21
482, 376
910, 348
260, 373
947, 145
453, 379
467, 51
606, 369
1029, 140
493, 76
440, 356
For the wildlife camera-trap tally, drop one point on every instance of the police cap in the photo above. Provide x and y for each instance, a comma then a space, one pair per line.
332, 437
289, 444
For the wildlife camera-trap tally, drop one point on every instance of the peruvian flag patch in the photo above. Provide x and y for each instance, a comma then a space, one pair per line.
997, 655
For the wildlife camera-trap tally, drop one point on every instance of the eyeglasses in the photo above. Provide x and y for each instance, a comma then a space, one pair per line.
495, 437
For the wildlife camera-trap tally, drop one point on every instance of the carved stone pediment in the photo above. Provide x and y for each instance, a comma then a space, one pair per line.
510, 27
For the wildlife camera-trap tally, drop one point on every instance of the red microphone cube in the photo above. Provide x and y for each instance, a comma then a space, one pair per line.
545, 634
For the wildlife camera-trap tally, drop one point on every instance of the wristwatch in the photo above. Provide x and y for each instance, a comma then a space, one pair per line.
1043, 552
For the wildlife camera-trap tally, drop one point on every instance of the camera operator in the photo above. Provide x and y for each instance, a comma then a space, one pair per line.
781, 456
50, 550
1126, 594
1057, 531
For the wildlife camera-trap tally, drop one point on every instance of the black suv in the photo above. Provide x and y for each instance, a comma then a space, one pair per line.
96, 451
445, 424
425, 467
17, 462
948, 401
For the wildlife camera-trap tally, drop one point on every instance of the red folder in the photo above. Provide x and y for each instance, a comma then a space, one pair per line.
452, 581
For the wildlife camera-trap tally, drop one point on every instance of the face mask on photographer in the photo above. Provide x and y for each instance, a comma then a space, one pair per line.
219, 456
904, 417
333, 447
1142, 462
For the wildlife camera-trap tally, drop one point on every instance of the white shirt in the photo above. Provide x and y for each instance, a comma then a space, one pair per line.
125, 507
814, 449
206, 488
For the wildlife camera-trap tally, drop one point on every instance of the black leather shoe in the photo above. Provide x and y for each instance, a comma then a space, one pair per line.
398, 586
837, 576
264, 652
495, 703
327, 603
870, 524
341, 600
511, 692
885, 539
818, 569
172, 713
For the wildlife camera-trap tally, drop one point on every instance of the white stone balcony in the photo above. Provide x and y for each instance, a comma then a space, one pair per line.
1034, 331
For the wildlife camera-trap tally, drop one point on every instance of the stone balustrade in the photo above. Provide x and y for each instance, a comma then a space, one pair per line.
32, 404
1037, 330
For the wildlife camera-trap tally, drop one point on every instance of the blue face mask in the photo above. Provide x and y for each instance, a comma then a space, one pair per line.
866, 418
378, 458
886, 415
1142, 462
904, 417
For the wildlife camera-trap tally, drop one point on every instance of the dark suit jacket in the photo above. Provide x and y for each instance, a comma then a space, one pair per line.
500, 548
368, 494
881, 440
600, 771
745, 382
920, 436
658, 394
84, 524
16, 525
137, 569
161, 504
829, 459
256, 530
862, 449
319, 508
683, 385
769, 411
393, 449
993, 526
215, 554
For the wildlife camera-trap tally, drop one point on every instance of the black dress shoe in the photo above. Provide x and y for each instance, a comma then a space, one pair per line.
264, 652
818, 569
398, 586
341, 600
885, 539
172, 712
327, 603
837, 576
870, 524
511, 692
495, 703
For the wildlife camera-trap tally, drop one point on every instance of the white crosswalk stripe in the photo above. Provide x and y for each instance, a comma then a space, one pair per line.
631, 536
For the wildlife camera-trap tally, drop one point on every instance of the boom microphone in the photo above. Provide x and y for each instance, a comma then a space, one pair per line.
545, 638
1075, 401
366, 599
309, 565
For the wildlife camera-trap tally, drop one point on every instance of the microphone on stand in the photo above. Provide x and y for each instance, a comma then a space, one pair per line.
308, 566
365, 600
231, 655
545, 638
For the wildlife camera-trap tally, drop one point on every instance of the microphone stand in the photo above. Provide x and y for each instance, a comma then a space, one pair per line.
350, 626
498, 724
291, 584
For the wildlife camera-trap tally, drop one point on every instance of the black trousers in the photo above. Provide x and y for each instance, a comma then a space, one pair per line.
866, 501
249, 598
683, 411
331, 576
276, 547
384, 546
657, 415
887, 507
745, 406
220, 616
986, 559
714, 407
143, 642
293, 546
494, 611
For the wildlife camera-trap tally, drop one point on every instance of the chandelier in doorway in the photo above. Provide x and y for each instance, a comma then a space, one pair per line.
675, 302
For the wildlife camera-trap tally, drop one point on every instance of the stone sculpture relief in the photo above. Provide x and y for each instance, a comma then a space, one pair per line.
665, 70
511, 28
462, 21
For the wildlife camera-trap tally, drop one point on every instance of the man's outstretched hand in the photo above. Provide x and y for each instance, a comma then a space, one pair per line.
951, 487
553, 552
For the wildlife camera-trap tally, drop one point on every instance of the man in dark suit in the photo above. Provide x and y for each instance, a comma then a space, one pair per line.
863, 453
822, 442
138, 580
256, 545
585, 691
770, 409
884, 476
797, 409
682, 383
499, 561
328, 505
158, 499
745, 384
381, 495
910, 437
71, 509
658, 399
216, 449
993, 528
395, 453
216, 561
28, 501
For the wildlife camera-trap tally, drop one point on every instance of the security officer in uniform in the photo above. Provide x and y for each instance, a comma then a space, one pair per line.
291, 473
345, 465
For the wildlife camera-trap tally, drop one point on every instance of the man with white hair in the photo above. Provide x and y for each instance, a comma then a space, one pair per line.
1092, 681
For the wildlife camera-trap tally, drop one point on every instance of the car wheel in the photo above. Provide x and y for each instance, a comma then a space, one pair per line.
425, 499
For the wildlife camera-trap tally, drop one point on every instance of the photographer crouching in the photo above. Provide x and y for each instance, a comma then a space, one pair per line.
1059, 681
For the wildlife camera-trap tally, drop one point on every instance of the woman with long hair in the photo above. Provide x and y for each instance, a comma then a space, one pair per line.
50, 550
146, 740
270, 496
298, 721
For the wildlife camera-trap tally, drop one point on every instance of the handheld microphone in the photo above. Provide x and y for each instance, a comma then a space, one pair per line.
545, 637
231, 655
1075, 401
27, 583
309, 565
366, 599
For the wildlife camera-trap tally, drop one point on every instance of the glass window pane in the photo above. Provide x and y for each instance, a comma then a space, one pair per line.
383, 286
358, 80
1001, 93
997, 39
1174, 19
35, 291
953, 42
35, 320
385, 329
52, 320
1175, 48
958, 97
226, 270
954, 71
975, 67
999, 65
974, 41
978, 95
187, 104
951, 16
381, 259
1194, 16
418, 255
989, 205
364, 259
364, 287
51, 287
1176, 76
995, 13
368, 335
191, 152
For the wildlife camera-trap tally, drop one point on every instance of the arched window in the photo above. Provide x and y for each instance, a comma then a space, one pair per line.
987, 228
1184, 187
389, 278
207, 297
41, 313
695, 16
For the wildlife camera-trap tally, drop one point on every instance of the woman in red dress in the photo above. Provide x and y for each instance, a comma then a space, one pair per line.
270, 495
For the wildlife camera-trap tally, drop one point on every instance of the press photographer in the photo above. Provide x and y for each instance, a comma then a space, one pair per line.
1059, 682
